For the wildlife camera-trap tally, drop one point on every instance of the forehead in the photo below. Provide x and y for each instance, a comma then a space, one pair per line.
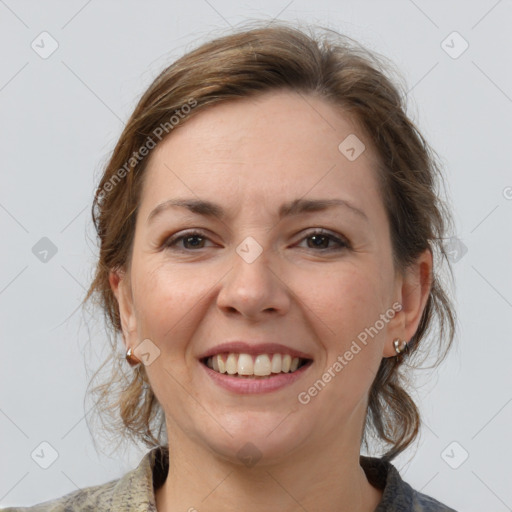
277, 145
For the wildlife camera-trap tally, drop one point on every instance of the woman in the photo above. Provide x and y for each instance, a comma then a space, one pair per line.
270, 238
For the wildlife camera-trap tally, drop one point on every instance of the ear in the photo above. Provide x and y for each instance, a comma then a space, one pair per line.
120, 284
413, 289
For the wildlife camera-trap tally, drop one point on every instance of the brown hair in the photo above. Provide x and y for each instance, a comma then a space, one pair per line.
241, 64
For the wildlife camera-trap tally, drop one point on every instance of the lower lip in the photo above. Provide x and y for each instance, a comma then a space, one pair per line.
247, 385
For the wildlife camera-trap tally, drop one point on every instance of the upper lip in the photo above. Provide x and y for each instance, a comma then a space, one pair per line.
243, 347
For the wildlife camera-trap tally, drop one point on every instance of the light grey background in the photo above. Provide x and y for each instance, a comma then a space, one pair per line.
60, 118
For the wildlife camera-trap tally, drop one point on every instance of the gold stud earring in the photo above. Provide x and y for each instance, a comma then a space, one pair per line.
132, 360
400, 346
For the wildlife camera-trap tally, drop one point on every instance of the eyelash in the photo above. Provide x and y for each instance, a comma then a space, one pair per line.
171, 242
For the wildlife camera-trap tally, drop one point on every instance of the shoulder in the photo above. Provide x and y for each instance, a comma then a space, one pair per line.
397, 496
97, 497
133, 491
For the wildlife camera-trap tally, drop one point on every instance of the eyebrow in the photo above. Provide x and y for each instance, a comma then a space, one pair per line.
292, 208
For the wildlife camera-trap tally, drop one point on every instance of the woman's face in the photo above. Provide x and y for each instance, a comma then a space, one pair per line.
261, 268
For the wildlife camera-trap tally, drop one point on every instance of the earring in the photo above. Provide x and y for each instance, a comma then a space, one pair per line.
400, 346
132, 360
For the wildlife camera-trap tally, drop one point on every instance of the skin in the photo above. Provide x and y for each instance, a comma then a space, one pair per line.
250, 156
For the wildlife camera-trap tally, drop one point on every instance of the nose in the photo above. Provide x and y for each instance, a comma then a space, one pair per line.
253, 289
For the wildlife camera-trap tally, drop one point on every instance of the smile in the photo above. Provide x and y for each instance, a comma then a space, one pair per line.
253, 366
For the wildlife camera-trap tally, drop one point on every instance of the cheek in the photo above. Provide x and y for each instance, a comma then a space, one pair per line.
352, 299
165, 299
166, 302
352, 310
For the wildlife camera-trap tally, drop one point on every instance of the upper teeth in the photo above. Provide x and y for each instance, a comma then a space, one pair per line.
244, 364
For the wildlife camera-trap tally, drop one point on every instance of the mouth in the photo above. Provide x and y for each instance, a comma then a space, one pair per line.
254, 366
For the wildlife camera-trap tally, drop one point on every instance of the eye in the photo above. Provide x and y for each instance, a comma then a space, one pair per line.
191, 240
320, 239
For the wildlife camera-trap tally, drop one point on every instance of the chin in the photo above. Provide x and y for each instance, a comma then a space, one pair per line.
257, 440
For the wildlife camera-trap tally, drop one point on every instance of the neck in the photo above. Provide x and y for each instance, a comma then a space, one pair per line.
330, 479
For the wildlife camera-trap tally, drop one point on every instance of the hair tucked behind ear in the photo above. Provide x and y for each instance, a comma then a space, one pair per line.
245, 63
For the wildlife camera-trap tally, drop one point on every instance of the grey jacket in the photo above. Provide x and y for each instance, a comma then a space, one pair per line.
134, 492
